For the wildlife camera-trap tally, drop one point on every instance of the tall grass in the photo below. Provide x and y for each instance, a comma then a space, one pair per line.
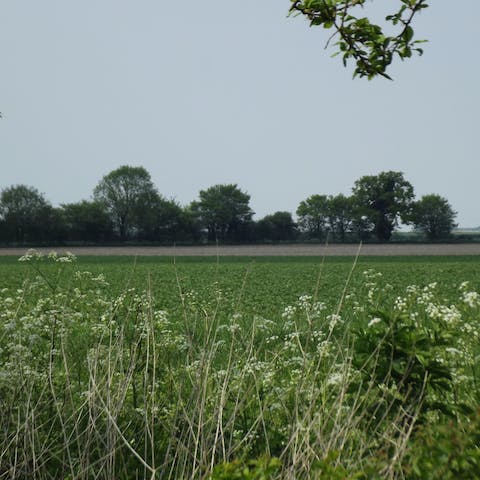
102, 386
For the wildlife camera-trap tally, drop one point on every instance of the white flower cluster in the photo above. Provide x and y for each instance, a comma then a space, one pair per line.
400, 304
333, 320
471, 299
33, 255
372, 275
305, 305
449, 314
289, 312
373, 322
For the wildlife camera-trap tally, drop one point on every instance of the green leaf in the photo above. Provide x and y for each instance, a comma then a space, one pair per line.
408, 34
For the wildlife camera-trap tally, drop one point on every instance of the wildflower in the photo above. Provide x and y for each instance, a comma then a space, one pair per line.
374, 321
412, 289
305, 300
288, 312
233, 328
68, 257
400, 304
472, 299
333, 320
453, 351
323, 348
31, 254
335, 379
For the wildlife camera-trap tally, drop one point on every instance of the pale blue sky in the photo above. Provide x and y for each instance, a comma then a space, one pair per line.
201, 93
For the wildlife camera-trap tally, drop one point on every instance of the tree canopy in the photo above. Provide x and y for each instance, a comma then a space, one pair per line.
86, 221
127, 193
358, 38
128, 207
277, 227
223, 210
384, 200
25, 213
313, 215
340, 212
434, 216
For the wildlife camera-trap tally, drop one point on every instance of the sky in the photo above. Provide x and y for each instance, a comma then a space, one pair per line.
201, 93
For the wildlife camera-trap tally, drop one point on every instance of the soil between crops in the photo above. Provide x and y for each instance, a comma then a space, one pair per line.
267, 250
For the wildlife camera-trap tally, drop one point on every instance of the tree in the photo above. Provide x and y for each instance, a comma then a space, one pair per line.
164, 221
383, 200
224, 211
313, 216
340, 215
362, 225
358, 39
190, 228
26, 215
127, 194
276, 227
86, 221
434, 216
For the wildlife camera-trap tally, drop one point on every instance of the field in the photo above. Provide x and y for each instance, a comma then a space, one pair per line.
239, 367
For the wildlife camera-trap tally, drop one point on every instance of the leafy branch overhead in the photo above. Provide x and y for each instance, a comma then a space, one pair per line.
359, 39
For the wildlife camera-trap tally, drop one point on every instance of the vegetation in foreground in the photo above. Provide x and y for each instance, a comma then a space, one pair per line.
103, 380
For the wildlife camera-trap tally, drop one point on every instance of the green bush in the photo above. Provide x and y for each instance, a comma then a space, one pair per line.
263, 468
447, 451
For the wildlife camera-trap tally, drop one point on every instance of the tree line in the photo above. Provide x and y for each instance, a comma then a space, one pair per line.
127, 207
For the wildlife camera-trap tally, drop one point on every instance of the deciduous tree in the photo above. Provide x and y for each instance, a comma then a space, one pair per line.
224, 210
25, 213
86, 221
276, 227
340, 215
313, 216
128, 194
383, 200
360, 39
434, 216
163, 221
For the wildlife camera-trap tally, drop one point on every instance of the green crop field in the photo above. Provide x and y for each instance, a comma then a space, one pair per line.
239, 368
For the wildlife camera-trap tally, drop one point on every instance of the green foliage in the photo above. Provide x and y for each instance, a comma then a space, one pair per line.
360, 40
25, 215
86, 221
276, 227
224, 210
332, 216
313, 216
383, 200
448, 450
377, 204
340, 210
255, 469
162, 221
434, 216
401, 354
127, 206
277, 369
129, 196
266, 468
